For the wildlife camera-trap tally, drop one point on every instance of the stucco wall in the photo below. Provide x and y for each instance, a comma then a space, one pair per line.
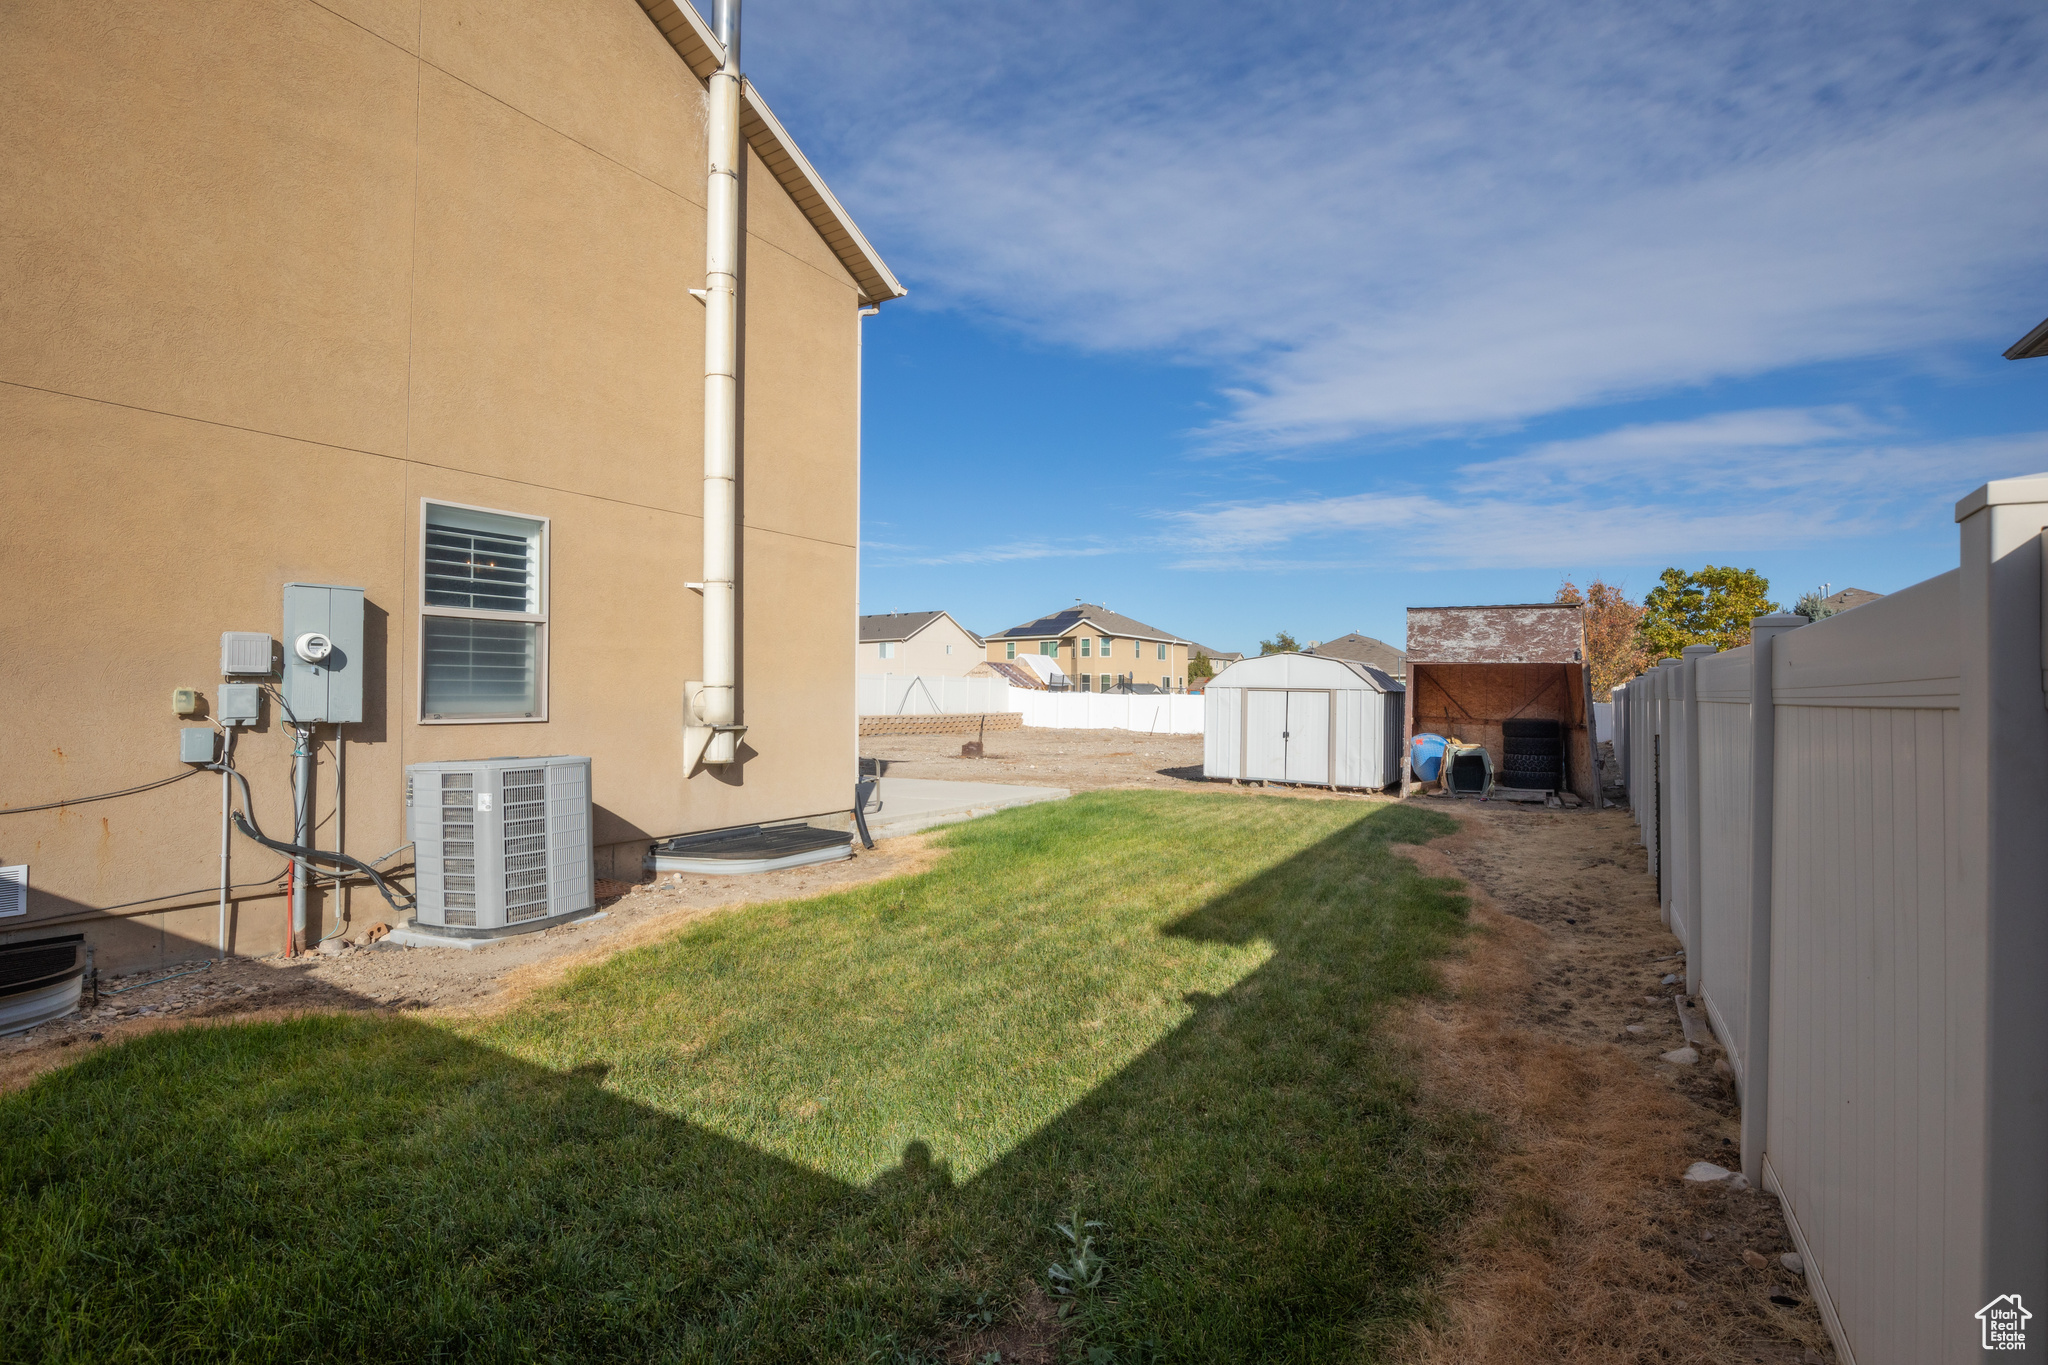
273, 273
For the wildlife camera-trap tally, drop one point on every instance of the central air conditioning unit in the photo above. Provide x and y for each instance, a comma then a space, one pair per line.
502, 845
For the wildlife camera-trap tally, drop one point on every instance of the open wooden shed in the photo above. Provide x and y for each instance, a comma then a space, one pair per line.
1473, 670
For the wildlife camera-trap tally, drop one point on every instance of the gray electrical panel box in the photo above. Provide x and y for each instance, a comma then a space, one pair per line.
243, 652
198, 744
238, 703
323, 653
502, 845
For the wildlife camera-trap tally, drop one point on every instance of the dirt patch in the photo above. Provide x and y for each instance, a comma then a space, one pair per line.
1078, 760
440, 981
1586, 1244
1027, 1334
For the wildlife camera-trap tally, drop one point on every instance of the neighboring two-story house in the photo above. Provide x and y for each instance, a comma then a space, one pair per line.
1099, 649
1364, 649
930, 644
402, 296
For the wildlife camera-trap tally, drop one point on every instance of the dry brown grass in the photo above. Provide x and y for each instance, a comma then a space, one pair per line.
1585, 1245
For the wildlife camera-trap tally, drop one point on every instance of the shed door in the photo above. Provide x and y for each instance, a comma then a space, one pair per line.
1265, 728
1308, 736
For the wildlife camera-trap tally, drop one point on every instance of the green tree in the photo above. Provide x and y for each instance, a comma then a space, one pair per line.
1813, 604
1711, 607
1282, 643
1200, 667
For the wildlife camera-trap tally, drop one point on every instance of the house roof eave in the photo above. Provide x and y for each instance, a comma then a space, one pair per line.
702, 53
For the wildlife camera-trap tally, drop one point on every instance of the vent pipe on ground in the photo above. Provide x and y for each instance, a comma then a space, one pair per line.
711, 734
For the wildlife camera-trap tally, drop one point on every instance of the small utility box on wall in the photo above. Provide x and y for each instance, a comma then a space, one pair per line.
323, 653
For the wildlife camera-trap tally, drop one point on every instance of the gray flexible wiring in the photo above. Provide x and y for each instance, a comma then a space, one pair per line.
103, 796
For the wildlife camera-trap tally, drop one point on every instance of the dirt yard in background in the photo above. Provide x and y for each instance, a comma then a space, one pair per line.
1587, 1245
1079, 760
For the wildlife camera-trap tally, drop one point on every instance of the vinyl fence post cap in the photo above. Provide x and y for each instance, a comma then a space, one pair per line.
2030, 488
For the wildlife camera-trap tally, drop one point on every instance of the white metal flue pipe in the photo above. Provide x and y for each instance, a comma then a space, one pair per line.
716, 703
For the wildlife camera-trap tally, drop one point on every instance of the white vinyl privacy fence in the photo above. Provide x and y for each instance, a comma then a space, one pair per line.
886, 694
1849, 825
890, 694
1154, 713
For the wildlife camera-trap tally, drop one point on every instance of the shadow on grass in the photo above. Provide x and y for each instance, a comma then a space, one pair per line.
367, 1188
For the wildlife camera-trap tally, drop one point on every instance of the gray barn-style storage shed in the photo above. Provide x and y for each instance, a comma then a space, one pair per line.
1299, 718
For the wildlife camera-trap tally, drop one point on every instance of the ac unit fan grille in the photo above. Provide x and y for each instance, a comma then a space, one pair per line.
458, 848
526, 844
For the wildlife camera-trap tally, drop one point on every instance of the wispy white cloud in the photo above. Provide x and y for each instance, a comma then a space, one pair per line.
1403, 217
1737, 482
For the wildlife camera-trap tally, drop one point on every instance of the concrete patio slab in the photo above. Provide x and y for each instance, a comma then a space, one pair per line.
909, 804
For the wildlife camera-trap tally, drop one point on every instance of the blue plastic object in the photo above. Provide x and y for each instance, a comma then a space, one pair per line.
1426, 757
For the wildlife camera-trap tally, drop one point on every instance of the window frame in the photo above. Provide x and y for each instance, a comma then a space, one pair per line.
885, 649
1084, 646
538, 619
1011, 646
1105, 644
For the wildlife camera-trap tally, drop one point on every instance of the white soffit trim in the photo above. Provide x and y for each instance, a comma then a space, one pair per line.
699, 48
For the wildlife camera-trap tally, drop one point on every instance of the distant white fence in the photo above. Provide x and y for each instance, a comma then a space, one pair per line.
1849, 825
887, 694
1161, 714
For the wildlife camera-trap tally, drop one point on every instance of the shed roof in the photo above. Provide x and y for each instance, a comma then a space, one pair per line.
1366, 650
1101, 618
1305, 671
701, 51
1521, 633
901, 625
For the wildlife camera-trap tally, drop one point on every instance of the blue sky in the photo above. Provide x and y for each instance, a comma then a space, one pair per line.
1249, 317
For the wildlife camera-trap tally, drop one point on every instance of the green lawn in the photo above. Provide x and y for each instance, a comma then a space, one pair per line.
812, 1131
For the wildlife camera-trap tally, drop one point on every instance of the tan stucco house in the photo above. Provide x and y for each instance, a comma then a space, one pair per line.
392, 294
1099, 649
930, 644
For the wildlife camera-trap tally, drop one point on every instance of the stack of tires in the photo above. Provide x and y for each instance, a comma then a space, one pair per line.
1533, 755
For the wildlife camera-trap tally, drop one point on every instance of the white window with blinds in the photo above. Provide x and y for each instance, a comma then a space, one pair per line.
483, 615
